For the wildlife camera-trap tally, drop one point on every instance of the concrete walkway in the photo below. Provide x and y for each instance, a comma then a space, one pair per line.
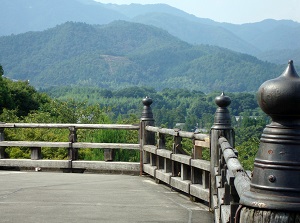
43, 197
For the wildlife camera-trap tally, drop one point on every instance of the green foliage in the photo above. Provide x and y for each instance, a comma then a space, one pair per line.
123, 54
248, 131
19, 96
93, 105
247, 151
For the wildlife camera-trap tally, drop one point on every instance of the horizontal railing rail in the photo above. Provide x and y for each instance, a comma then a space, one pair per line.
177, 132
69, 125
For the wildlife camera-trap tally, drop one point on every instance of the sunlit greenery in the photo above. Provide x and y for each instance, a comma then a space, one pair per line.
188, 110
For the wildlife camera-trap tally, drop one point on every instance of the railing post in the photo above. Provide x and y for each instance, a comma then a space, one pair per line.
2, 149
146, 138
221, 127
36, 153
274, 194
72, 153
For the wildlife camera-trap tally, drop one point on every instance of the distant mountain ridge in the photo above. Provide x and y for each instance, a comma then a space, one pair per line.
258, 39
122, 54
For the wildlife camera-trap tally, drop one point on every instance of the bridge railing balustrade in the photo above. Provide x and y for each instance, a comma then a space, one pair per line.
71, 144
175, 167
232, 181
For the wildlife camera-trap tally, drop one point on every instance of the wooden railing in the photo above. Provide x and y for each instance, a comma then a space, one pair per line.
187, 173
232, 181
72, 145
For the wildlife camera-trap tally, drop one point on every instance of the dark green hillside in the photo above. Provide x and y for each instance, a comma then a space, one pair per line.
123, 54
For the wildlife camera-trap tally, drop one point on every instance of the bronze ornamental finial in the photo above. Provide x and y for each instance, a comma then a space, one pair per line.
276, 174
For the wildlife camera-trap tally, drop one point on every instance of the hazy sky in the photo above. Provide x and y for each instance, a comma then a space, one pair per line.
232, 11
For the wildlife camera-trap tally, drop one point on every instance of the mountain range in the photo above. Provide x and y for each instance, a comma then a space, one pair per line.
122, 54
268, 40
87, 43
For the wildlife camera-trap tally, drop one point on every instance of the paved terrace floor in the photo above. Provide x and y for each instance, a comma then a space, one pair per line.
43, 197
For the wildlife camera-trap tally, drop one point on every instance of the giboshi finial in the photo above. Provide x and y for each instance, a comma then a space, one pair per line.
147, 101
281, 96
222, 100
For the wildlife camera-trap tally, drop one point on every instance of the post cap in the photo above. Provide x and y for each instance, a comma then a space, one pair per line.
280, 97
147, 114
222, 117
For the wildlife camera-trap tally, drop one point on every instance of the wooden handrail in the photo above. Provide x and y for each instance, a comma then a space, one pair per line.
175, 132
242, 180
68, 125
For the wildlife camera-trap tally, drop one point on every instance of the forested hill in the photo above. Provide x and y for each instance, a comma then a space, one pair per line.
271, 40
123, 54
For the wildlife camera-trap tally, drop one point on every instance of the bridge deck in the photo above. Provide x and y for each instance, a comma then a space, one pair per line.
64, 197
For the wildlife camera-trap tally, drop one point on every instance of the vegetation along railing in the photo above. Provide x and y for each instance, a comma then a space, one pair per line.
270, 193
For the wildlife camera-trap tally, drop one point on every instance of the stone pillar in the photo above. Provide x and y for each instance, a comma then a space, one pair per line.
146, 138
221, 127
274, 194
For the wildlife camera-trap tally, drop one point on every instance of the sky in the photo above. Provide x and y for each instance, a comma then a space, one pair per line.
231, 11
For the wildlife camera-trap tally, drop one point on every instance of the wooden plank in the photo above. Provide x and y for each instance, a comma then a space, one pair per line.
35, 163
163, 176
201, 164
162, 130
34, 144
168, 131
242, 183
221, 192
216, 171
106, 145
202, 143
183, 185
197, 190
185, 134
107, 166
234, 165
215, 201
150, 148
225, 213
148, 168
197, 152
68, 144
202, 137
152, 128
218, 181
185, 159
67, 125
164, 153
217, 215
